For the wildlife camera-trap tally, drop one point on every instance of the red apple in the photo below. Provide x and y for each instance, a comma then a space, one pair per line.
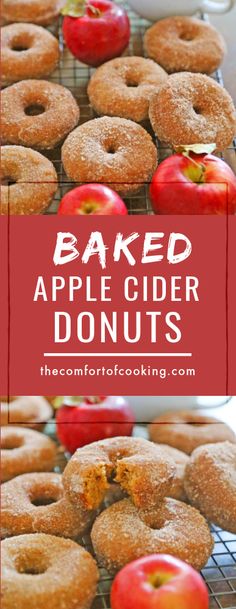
159, 581
194, 184
95, 30
94, 199
83, 420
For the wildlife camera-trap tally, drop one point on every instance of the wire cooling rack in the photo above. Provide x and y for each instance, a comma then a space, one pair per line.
219, 573
75, 76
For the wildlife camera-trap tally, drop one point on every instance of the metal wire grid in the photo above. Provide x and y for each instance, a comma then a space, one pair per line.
75, 76
219, 573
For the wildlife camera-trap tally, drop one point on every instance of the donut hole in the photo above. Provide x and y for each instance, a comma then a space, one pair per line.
33, 571
34, 109
42, 501
41, 497
28, 563
186, 36
19, 48
111, 149
21, 43
197, 109
131, 83
11, 443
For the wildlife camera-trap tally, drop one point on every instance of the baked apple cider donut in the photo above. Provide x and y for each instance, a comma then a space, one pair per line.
114, 151
37, 113
186, 429
40, 571
36, 503
28, 51
193, 109
136, 464
182, 44
123, 533
180, 460
33, 11
210, 483
124, 86
33, 411
25, 450
28, 181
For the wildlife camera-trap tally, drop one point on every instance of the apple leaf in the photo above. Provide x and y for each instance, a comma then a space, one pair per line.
74, 8
196, 148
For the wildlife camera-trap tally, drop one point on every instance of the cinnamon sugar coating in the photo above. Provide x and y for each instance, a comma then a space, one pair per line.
193, 109
36, 503
25, 450
37, 113
185, 44
210, 483
27, 51
33, 11
124, 86
33, 410
114, 151
41, 571
186, 430
123, 533
31, 181
136, 464
180, 460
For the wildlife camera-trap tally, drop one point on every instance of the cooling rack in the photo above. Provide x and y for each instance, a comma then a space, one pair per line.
75, 76
219, 573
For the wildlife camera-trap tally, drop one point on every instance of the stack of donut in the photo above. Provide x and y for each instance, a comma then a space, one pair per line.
171, 87
167, 490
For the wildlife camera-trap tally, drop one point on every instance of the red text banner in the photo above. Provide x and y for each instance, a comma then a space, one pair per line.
124, 305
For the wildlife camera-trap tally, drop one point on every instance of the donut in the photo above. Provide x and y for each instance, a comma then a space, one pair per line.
182, 44
36, 503
123, 533
41, 571
114, 151
33, 410
37, 113
28, 51
25, 450
193, 109
210, 483
124, 86
33, 11
136, 464
180, 460
186, 429
28, 181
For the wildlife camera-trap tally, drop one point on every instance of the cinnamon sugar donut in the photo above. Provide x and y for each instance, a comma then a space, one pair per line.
193, 109
36, 503
210, 483
31, 11
25, 450
28, 181
180, 460
41, 571
123, 533
124, 86
185, 44
114, 151
136, 464
32, 410
37, 113
28, 51
186, 429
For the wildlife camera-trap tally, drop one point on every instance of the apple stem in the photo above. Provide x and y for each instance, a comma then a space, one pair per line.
199, 165
96, 12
